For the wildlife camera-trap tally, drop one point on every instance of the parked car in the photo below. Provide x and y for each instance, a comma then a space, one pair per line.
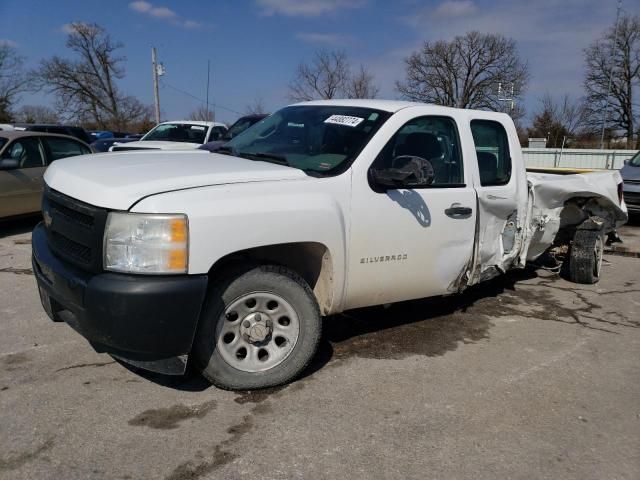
631, 177
24, 156
178, 135
104, 144
234, 130
322, 207
77, 132
107, 134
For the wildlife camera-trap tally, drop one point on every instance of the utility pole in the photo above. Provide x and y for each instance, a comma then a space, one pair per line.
208, 70
605, 115
156, 94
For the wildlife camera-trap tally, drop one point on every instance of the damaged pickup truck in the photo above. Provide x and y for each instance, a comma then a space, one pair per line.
230, 259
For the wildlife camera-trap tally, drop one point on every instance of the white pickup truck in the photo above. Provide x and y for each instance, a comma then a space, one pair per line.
232, 258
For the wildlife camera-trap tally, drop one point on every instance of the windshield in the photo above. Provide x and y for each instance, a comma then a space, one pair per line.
177, 132
320, 139
635, 161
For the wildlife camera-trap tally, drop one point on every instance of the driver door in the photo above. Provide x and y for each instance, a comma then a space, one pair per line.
411, 242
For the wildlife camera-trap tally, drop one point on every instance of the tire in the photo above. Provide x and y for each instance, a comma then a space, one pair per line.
585, 259
266, 313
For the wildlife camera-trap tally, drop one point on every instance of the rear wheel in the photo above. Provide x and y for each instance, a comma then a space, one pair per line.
585, 259
260, 329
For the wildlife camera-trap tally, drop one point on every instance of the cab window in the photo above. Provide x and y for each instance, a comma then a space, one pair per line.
28, 152
63, 147
216, 133
492, 152
432, 138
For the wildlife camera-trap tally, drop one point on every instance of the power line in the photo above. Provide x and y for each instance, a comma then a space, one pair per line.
165, 84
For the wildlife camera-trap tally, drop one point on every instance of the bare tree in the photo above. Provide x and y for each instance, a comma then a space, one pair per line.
360, 85
614, 58
323, 78
465, 72
256, 107
202, 113
36, 114
13, 79
557, 120
85, 88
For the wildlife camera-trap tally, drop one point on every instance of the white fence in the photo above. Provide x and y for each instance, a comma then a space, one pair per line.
576, 158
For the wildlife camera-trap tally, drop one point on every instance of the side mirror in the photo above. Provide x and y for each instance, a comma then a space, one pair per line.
407, 172
9, 164
626, 162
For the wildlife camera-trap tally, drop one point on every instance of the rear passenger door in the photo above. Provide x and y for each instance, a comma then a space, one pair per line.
502, 195
21, 188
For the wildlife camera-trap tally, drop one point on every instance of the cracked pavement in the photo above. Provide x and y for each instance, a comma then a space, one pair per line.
528, 376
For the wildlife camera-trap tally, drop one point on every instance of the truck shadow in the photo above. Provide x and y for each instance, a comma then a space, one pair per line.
429, 327
18, 226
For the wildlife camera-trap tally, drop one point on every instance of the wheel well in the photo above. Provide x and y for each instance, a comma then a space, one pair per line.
311, 260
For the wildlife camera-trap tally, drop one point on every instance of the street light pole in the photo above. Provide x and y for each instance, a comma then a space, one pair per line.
156, 93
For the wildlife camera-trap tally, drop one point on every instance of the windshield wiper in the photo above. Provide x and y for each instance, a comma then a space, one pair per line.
280, 159
225, 150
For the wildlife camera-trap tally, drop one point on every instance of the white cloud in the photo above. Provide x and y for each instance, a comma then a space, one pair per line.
68, 27
306, 8
456, 8
332, 39
5, 42
191, 24
162, 13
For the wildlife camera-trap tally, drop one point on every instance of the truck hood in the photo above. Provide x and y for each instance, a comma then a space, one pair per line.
158, 145
118, 180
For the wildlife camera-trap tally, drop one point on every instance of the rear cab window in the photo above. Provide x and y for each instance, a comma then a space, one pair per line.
492, 151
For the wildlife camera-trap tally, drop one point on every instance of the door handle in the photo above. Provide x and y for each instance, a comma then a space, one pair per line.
458, 211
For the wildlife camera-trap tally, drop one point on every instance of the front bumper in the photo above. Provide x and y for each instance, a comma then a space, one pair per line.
143, 320
631, 196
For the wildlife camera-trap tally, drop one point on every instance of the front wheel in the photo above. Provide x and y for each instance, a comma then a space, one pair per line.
259, 329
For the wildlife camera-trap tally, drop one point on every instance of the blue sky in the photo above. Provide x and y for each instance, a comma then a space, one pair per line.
255, 45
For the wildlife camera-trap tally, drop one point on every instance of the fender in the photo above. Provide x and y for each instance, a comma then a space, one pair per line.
230, 218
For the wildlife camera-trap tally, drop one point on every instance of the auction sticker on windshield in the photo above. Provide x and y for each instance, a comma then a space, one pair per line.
345, 120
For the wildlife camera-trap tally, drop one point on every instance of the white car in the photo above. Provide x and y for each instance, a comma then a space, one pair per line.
232, 258
176, 135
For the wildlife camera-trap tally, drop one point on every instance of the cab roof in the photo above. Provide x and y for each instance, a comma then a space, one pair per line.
392, 106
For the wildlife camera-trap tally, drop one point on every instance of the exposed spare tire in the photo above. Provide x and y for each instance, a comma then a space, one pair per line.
585, 257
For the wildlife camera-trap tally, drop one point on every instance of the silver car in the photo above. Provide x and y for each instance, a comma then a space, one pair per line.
631, 177
24, 156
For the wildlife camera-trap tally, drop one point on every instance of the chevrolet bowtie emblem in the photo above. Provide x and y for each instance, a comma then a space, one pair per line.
47, 218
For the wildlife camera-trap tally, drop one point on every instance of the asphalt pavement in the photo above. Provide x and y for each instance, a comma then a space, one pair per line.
527, 376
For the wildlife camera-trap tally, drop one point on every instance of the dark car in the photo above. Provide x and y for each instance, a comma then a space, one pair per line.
234, 130
24, 156
78, 132
631, 177
103, 144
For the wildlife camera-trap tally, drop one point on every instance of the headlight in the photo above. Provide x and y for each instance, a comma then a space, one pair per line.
143, 243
